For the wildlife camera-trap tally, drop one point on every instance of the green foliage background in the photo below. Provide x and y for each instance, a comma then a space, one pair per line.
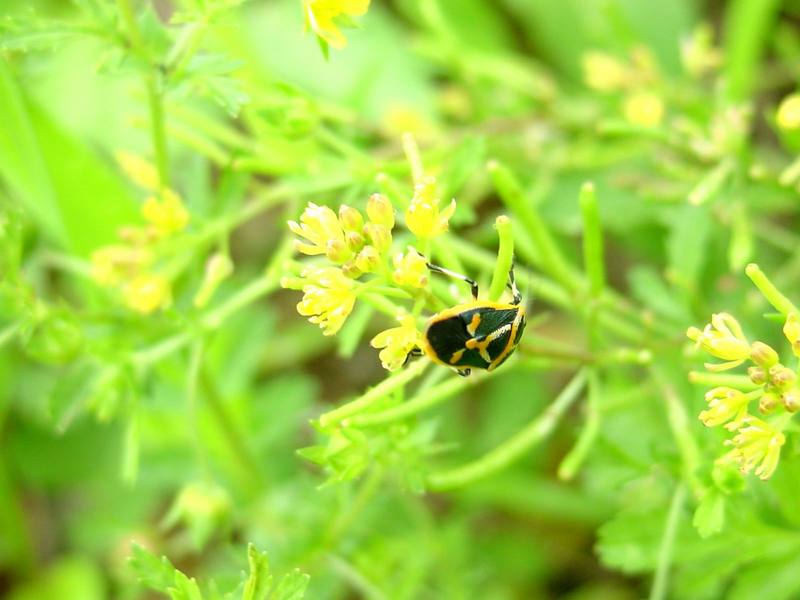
178, 431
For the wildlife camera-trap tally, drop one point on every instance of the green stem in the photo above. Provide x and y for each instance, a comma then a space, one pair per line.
502, 456
154, 94
659, 589
740, 382
192, 379
383, 389
768, 289
680, 425
551, 260
155, 101
505, 257
593, 259
234, 438
7, 334
411, 151
421, 402
575, 458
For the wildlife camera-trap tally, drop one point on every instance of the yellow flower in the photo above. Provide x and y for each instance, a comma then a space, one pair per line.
645, 109
138, 170
115, 263
321, 229
380, 210
423, 218
328, 298
397, 342
166, 214
321, 15
147, 293
788, 116
757, 443
725, 404
410, 269
722, 338
791, 329
603, 72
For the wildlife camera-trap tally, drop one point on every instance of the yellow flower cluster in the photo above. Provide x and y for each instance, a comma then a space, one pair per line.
757, 443
636, 78
356, 247
323, 17
128, 265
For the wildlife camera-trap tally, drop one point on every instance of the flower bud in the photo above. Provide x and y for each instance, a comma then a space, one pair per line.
380, 211
791, 400
368, 259
355, 241
791, 330
763, 355
757, 375
351, 270
379, 236
768, 402
781, 377
337, 251
350, 218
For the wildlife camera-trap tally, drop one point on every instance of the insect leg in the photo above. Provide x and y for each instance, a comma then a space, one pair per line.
512, 284
413, 353
473, 286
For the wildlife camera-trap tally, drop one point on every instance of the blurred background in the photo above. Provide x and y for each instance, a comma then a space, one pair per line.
117, 425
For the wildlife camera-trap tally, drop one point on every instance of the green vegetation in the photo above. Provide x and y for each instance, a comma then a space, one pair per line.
185, 184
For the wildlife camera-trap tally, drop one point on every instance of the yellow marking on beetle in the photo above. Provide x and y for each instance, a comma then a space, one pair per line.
510, 346
457, 356
473, 324
483, 345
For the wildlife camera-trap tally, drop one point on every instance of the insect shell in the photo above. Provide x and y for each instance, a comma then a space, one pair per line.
477, 334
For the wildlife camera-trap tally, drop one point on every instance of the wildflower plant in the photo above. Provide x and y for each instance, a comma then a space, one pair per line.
756, 445
214, 286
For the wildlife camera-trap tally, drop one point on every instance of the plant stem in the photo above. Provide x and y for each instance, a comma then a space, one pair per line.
233, 437
768, 289
505, 257
659, 589
575, 458
502, 456
679, 423
741, 382
192, 379
154, 94
551, 261
375, 394
422, 401
593, 259
411, 151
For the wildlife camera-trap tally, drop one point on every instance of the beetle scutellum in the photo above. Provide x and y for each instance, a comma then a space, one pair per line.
475, 335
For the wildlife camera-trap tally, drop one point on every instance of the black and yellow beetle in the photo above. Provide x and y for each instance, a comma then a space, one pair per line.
475, 335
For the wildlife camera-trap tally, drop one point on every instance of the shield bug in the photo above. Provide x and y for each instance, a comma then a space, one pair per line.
475, 335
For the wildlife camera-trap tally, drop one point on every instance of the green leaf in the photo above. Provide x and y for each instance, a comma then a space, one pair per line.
185, 588
687, 245
292, 586
709, 517
152, 571
773, 578
259, 581
78, 202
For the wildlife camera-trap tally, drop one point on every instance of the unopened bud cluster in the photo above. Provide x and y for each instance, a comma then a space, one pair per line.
757, 443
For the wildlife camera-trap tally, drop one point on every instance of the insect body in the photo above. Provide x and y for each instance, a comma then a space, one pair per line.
475, 335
